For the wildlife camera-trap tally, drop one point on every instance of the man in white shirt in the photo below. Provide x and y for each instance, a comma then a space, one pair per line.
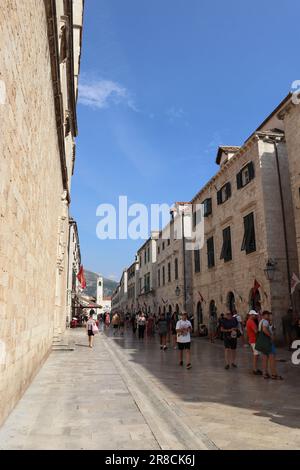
183, 330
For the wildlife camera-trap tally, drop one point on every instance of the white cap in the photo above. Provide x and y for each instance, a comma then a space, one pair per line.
253, 312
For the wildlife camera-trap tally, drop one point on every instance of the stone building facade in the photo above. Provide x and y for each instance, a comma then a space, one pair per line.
249, 229
146, 287
289, 113
74, 263
173, 265
39, 63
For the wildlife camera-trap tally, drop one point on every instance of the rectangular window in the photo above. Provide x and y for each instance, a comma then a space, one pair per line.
224, 193
176, 268
249, 243
140, 285
226, 253
163, 245
158, 250
197, 261
207, 207
158, 277
149, 254
210, 252
168, 241
245, 175
163, 276
169, 272
145, 257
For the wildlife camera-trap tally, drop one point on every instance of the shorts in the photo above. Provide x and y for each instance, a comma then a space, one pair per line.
182, 346
161, 335
255, 352
230, 343
90, 333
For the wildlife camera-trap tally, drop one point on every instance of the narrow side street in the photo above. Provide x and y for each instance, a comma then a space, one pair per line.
124, 394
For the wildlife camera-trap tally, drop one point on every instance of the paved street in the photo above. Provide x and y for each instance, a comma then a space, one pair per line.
127, 395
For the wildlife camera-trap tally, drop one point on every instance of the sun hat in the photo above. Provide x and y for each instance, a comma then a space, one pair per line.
253, 312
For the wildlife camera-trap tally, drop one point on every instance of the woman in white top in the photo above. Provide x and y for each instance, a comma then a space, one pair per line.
89, 328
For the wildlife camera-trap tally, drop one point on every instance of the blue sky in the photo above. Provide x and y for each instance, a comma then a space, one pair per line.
163, 83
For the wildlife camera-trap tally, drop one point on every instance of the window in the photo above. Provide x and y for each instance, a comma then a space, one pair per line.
197, 260
196, 216
210, 252
207, 203
148, 254
176, 268
168, 241
163, 276
249, 244
245, 175
158, 277
226, 253
169, 272
163, 245
224, 193
158, 250
147, 282
145, 257
140, 285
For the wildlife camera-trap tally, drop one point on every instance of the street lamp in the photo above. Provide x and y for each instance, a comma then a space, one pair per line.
177, 291
270, 269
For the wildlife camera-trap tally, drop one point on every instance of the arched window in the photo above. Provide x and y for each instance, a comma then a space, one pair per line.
159, 311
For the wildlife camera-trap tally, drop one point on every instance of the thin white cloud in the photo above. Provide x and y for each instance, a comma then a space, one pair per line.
174, 113
104, 93
113, 277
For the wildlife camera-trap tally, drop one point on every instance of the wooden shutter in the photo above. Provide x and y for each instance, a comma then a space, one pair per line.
251, 170
219, 197
239, 180
228, 190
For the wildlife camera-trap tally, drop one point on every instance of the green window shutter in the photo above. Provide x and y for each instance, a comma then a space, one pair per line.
239, 181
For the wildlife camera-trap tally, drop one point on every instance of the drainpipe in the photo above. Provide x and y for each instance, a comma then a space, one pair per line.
288, 268
184, 266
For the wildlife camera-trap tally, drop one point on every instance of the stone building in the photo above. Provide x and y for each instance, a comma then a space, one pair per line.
249, 249
173, 265
146, 255
40, 45
74, 262
132, 287
289, 113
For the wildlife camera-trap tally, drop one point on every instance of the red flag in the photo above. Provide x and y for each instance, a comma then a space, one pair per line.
255, 288
81, 277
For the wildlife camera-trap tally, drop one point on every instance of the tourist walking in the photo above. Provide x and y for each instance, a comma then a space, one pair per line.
115, 323
107, 320
141, 323
183, 330
174, 320
91, 329
150, 325
121, 323
133, 323
162, 325
212, 326
252, 330
229, 327
265, 344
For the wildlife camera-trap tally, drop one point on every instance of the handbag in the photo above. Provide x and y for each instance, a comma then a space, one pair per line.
263, 343
95, 329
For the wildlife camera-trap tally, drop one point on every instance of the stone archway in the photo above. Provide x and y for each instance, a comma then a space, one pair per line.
231, 302
199, 315
255, 300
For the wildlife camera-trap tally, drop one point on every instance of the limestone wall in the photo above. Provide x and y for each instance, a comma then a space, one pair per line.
30, 199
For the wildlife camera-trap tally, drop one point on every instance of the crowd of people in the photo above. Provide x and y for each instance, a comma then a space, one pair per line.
175, 331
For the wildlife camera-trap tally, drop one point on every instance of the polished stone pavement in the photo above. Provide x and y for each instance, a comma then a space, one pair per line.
127, 394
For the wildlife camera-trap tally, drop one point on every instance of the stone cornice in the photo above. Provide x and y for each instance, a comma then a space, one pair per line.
50, 8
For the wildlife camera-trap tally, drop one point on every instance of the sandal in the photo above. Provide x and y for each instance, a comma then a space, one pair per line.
189, 366
266, 376
276, 377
